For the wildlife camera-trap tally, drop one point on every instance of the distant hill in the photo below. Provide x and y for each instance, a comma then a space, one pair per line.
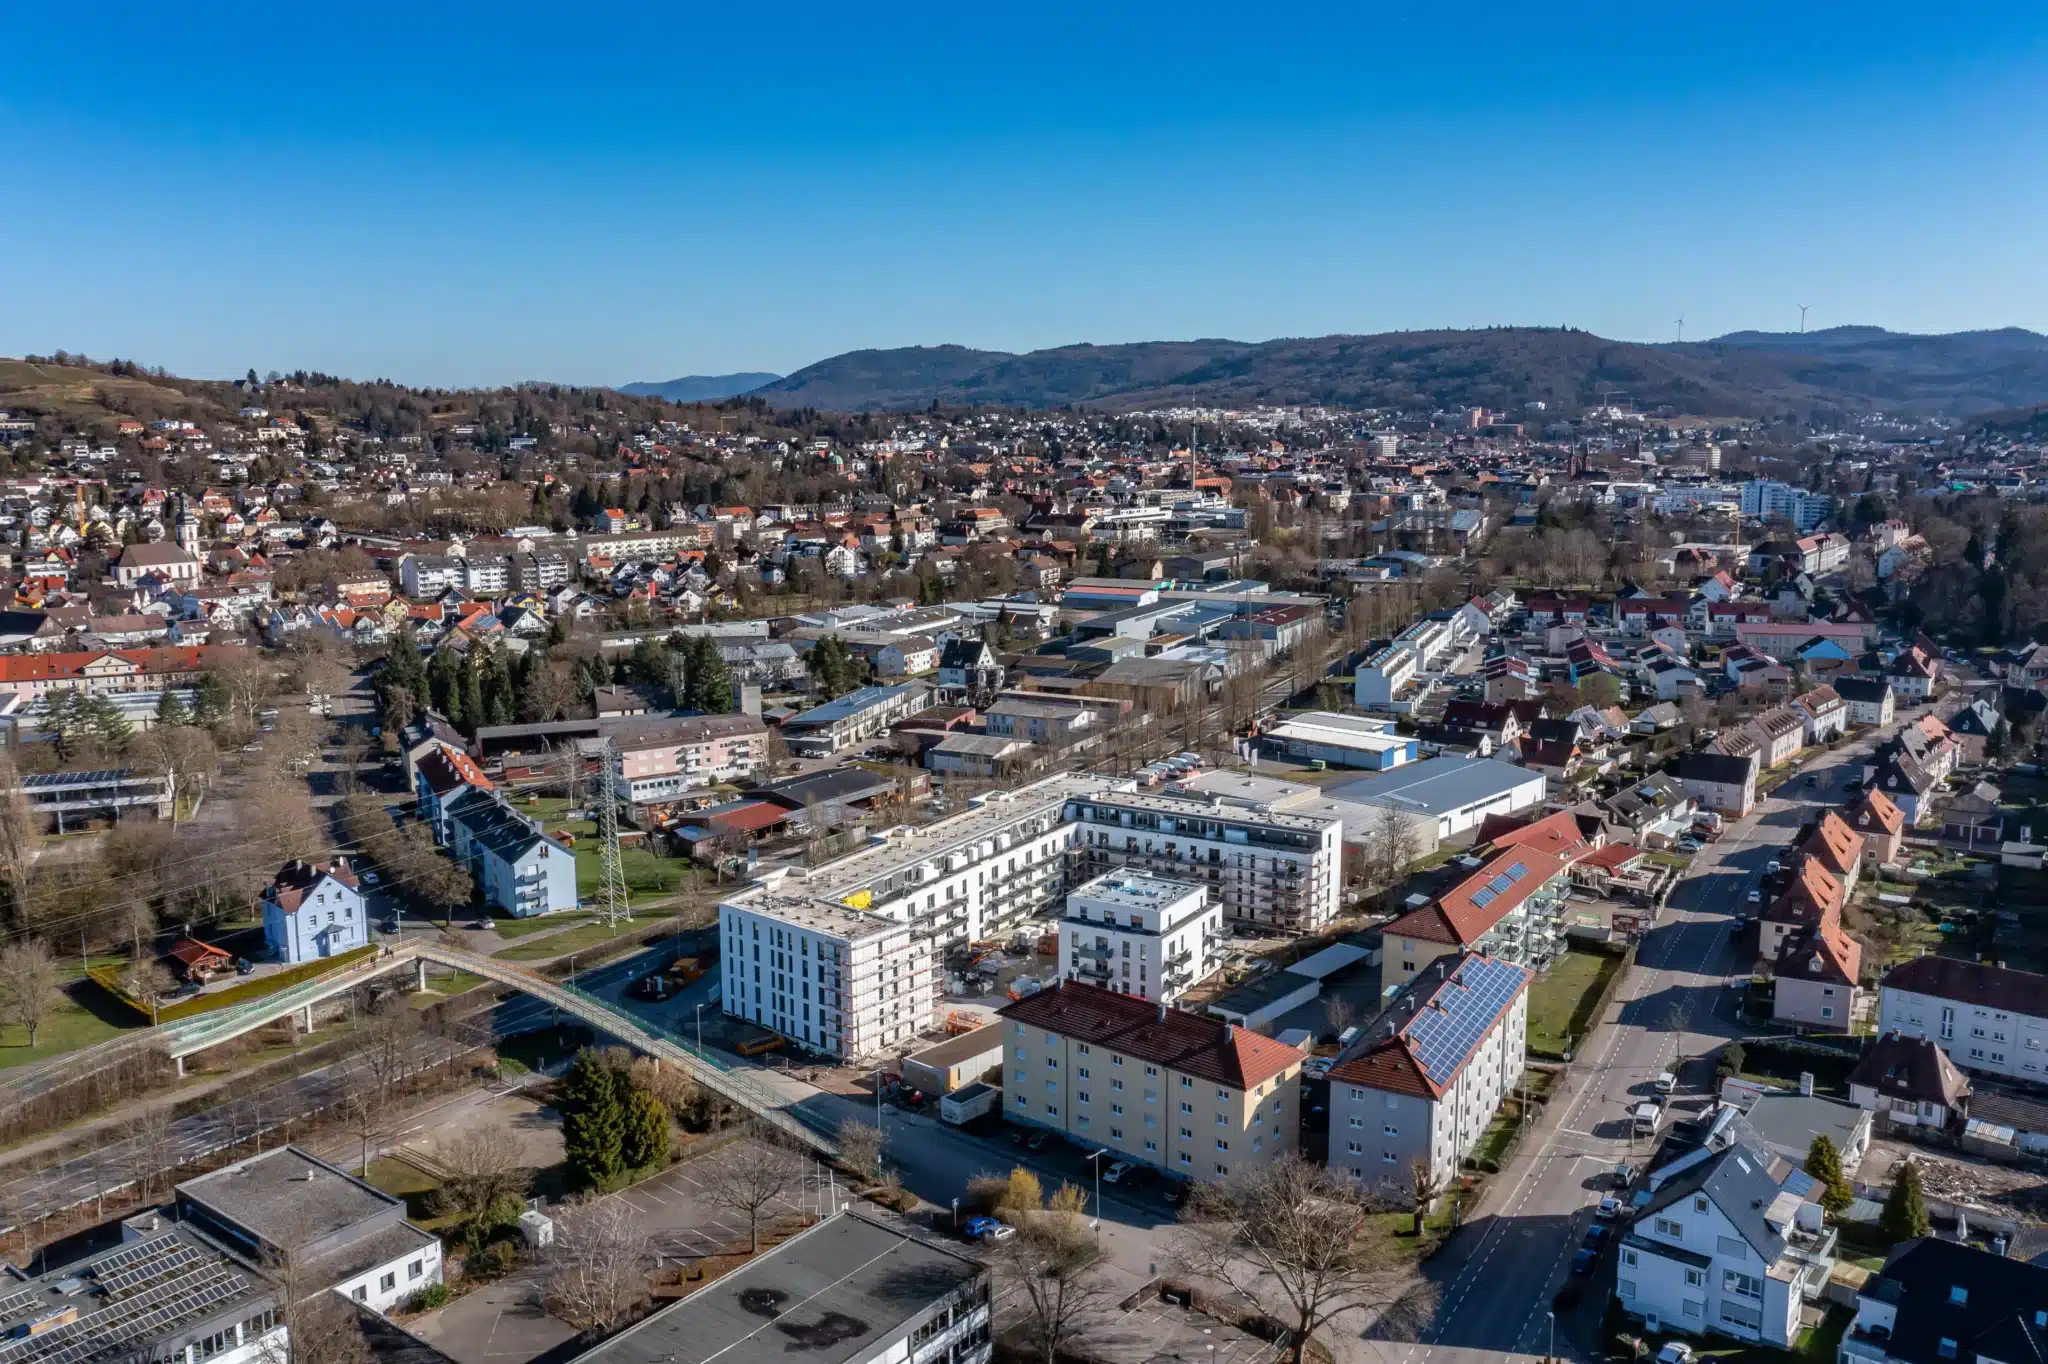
1842, 371
700, 388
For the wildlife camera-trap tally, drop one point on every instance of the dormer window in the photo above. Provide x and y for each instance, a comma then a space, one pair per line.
1958, 1294
1947, 1348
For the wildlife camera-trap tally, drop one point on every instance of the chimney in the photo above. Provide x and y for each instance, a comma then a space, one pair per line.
1806, 1083
1162, 1011
1229, 1031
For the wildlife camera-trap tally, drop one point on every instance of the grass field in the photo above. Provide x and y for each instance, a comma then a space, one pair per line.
69, 1026
515, 929
1557, 995
575, 939
646, 874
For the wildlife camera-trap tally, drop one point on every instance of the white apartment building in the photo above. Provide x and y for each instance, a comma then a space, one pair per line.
1766, 499
960, 879
841, 981
1140, 934
1259, 864
1425, 1079
1987, 1018
487, 574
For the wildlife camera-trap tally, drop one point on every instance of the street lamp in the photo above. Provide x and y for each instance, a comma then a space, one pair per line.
956, 1212
1095, 1159
1553, 1335
700, 1029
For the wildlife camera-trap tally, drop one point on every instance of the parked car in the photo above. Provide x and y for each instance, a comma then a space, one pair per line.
1677, 1352
1756, 897
1583, 1262
371, 878
1688, 845
1115, 1173
389, 925
988, 1229
1038, 1141
1609, 1209
1596, 1237
1622, 1175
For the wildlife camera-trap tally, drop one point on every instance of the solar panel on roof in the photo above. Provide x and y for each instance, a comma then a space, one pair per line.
1483, 896
15, 1304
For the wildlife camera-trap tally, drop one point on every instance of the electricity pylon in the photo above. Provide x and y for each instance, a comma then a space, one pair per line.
611, 867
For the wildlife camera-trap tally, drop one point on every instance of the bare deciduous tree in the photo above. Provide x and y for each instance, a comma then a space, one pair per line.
860, 1146
596, 1268
149, 1148
482, 1165
750, 1175
1294, 1238
1053, 1261
1338, 1012
28, 985
21, 833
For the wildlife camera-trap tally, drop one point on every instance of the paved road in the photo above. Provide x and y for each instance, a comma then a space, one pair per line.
1500, 1272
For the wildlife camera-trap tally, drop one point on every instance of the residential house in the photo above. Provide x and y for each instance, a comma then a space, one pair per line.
1422, 1084
517, 867
313, 910
969, 670
1989, 1019
1722, 782
1881, 824
1736, 1246
1507, 909
1815, 978
1825, 712
1870, 699
1780, 732
1973, 727
1943, 1302
1913, 673
1910, 1082
1974, 816
1191, 1095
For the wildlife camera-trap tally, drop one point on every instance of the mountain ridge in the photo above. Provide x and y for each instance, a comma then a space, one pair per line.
1837, 372
701, 388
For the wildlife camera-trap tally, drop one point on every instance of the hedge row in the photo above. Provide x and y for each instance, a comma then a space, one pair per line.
110, 980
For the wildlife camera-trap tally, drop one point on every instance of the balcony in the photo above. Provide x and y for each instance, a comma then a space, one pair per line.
1093, 970
1873, 1345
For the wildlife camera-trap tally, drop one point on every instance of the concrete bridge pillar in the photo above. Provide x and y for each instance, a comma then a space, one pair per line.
308, 1018
181, 1067
421, 963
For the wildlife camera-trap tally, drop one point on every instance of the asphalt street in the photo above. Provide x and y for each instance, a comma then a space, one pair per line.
1500, 1271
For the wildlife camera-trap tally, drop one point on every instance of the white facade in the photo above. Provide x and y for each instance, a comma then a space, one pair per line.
1766, 499
1687, 1265
1978, 1037
1383, 676
1378, 1131
1140, 934
840, 981
387, 1286
313, 914
1261, 865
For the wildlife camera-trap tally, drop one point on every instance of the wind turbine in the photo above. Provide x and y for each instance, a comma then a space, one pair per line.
1802, 317
1681, 326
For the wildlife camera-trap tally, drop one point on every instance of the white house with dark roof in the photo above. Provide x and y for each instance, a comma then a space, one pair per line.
1736, 1246
314, 909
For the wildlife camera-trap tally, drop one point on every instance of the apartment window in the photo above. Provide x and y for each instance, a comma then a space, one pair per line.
1223, 1096
1667, 1227
1080, 1096
388, 1282
1734, 1247
1081, 1048
1151, 1096
1354, 1148
1187, 1108
1625, 1287
1082, 1071
1081, 1121
1699, 1203
1387, 1128
1151, 1145
361, 1294
1389, 1158
1051, 1064
1116, 1134
1116, 1108
1186, 1159
1695, 1278
1052, 1110
415, 1269
1628, 1257
1742, 1285
1052, 1086
1357, 1121
1151, 1070
1222, 1120
1151, 1121
1222, 1171
1020, 1077
1116, 1084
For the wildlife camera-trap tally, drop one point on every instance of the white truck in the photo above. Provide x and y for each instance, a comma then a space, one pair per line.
969, 1102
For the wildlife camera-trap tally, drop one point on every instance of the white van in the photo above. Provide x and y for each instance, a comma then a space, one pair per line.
1647, 1116
1666, 1082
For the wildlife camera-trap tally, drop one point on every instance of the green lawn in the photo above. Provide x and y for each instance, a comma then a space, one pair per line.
515, 929
1559, 994
448, 986
575, 939
69, 1026
646, 874
402, 1179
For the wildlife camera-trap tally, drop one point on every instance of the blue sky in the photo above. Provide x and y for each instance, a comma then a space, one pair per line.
466, 194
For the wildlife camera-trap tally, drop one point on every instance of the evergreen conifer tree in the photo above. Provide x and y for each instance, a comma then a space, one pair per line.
1824, 1163
1905, 1208
593, 1122
646, 1136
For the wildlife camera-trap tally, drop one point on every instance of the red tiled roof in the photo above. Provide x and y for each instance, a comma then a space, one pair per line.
1875, 807
1836, 845
1464, 914
1190, 1043
49, 667
296, 878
